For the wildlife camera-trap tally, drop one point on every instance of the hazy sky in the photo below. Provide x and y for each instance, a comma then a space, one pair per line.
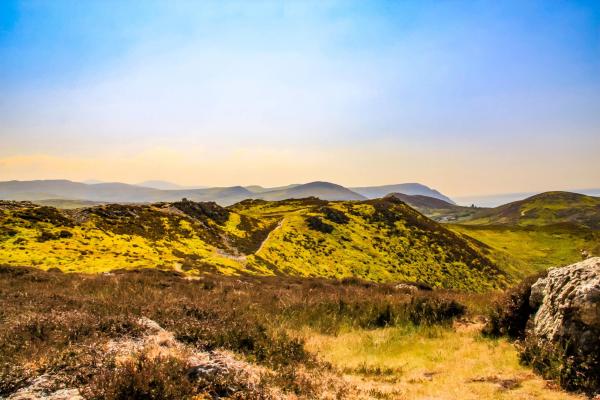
469, 97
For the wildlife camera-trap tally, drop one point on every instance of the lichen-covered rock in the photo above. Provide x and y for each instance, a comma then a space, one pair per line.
406, 288
44, 388
563, 337
569, 305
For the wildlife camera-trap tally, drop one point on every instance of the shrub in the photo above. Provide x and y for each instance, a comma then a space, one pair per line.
161, 378
560, 362
510, 314
317, 224
335, 216
429, 310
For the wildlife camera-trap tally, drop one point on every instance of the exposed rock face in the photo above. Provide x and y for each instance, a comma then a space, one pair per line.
569, 305
566, 327
42, 388
406, 288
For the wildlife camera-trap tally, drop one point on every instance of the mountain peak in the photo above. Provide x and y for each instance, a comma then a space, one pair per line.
372, 192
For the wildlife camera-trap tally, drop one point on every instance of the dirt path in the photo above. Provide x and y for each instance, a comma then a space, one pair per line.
279, 224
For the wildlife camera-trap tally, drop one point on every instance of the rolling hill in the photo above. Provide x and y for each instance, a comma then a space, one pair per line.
545, 230
374, 192
544, 209
437, 209
499, 199
322, 190
380, 240
165, 185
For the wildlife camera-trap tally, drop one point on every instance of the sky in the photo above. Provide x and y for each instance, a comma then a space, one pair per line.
468, 97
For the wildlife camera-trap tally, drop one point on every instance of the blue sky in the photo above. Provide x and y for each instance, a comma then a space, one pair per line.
470, 97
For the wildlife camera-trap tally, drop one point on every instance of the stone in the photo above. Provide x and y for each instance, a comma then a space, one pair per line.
406, 288
569, 305
566, 326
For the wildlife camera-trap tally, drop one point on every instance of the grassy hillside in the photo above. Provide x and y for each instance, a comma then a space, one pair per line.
379, 240
522, 251
437, 209
545, 209
546, 230
194, 237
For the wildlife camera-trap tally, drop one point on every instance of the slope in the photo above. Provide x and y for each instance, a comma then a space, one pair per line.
375, 192
523, 251
380, 240
437, 209
185, 235
322, 190
545, 209
546, 230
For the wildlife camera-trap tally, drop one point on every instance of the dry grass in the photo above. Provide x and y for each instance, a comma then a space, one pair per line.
309, 338
61, 324
431, 363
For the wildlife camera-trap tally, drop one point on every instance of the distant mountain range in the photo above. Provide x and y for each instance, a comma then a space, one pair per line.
115, 192
164, 185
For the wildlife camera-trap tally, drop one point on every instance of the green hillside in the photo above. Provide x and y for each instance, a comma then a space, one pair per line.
437, 209
546, 230
380, 240
523, 251
545, 209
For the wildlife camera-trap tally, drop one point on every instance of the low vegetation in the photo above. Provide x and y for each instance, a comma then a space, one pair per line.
376, 240
522, 251
261, 338
289, 299
549, 208
61, 325
512, 316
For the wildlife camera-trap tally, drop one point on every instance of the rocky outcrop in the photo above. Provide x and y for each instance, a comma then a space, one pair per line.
44, 388
563, 336
569, 305
406, 288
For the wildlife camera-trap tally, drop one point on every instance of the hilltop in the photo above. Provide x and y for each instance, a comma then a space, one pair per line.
374, 192
545, 209
545, 230
495, 200
381, 240
322, 190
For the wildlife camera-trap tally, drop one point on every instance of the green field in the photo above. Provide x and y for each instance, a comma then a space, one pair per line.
522, 251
